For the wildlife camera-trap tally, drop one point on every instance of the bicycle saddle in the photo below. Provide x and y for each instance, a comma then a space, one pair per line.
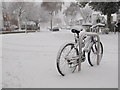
76, 31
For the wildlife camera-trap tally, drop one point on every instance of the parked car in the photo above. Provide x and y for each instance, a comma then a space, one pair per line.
55, 29
7, 28
3, 29
68, 27
14, 27
22, 27
29, 27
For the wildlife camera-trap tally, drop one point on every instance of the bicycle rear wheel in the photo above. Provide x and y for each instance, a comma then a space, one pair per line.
65, 62
92, 54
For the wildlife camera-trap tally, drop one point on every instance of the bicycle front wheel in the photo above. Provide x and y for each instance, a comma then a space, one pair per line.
92, 54
67, 59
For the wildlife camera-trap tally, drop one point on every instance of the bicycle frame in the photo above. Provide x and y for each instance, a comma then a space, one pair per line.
79, 42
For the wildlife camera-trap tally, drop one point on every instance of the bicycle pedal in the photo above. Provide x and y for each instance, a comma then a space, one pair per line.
83, 59
73, 65
75, 58
72, 58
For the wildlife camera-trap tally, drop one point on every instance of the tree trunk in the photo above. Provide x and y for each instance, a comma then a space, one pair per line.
19, 23
25, 25
109, 21
37, 26
51, 21
51, 26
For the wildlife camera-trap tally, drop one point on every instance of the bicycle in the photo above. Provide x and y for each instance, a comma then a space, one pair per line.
72, 54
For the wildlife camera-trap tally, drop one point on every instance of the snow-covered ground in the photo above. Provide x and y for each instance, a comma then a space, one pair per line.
0, 62
29, 61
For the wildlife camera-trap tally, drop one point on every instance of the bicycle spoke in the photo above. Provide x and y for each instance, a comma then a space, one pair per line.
65, 62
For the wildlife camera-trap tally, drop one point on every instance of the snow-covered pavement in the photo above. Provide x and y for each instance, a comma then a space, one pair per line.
29, 61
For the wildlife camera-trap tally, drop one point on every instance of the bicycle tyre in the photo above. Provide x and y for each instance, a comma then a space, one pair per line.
59, 68
93, 49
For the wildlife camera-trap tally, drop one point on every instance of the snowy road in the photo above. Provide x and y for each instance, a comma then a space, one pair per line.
29, 61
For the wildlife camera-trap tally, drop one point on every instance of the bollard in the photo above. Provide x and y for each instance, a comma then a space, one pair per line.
80, 48
80, 53
98, 38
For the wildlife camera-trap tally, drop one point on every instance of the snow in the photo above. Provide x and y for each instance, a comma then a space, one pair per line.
0, 62
29, 61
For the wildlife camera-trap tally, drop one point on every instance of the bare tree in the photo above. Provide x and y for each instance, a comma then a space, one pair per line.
20, 9
15, 8
71, 12
36, 13
86, 13
33, 11
5, 12
53, 8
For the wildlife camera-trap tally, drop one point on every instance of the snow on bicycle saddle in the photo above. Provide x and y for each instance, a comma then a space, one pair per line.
77, 29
